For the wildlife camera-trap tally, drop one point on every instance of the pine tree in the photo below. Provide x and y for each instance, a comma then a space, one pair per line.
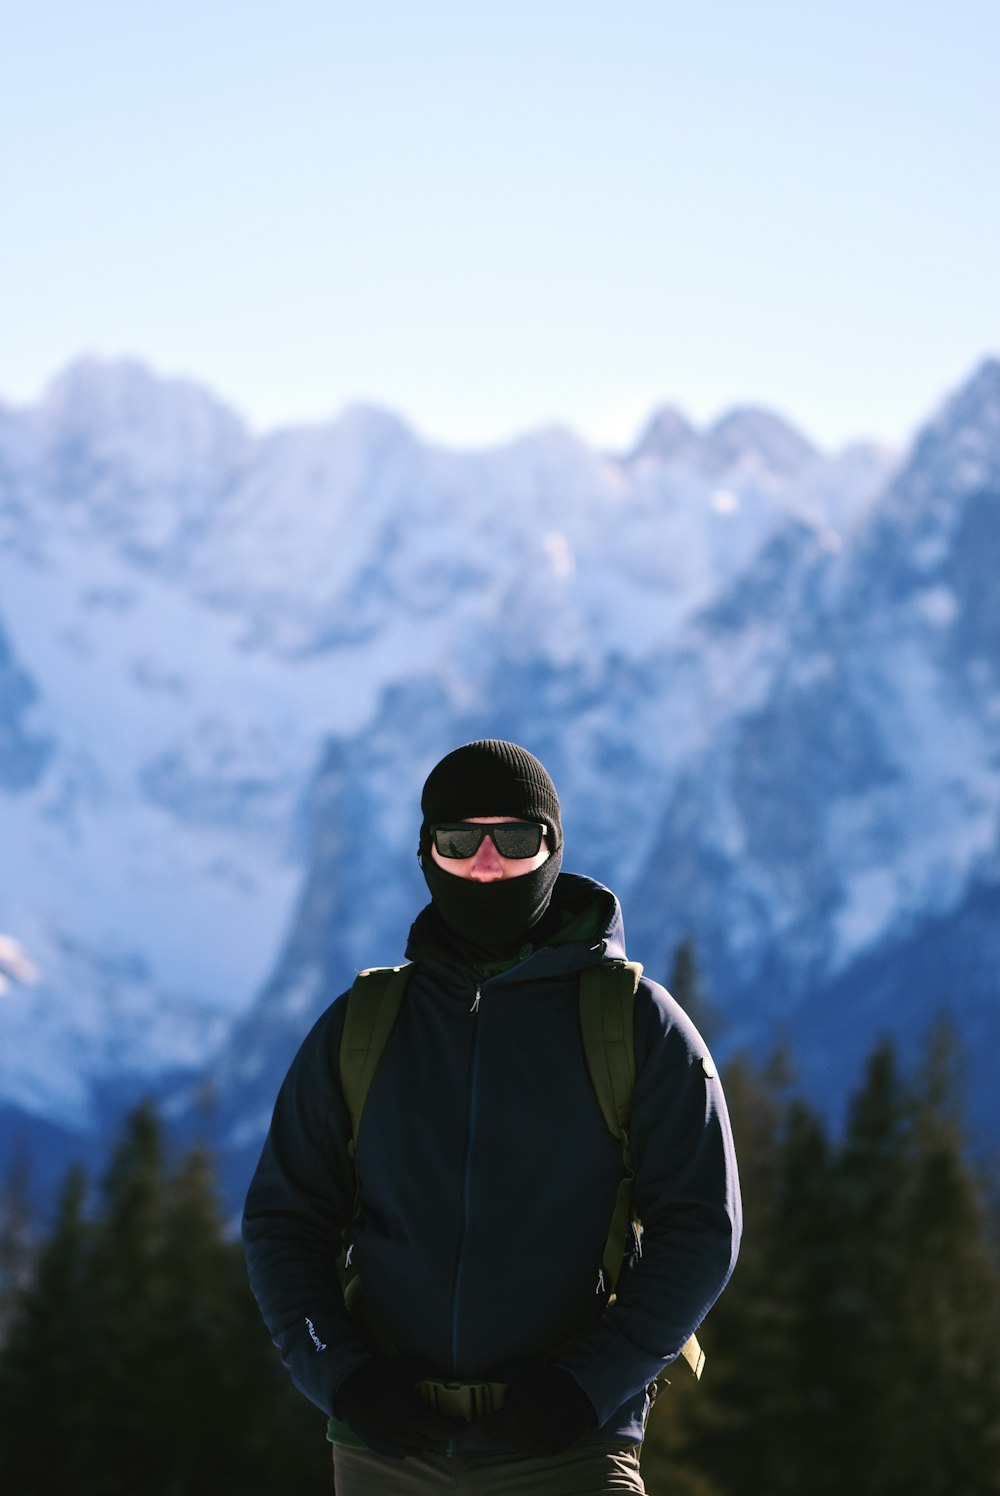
804, 1290
687, 987
704, 1437
858, 1345
128, 1289
873, 1174
235, 1422
16, 1226
765, 1423
190, 1333
942, 1417
47, 1361
920, 1344
137, 1364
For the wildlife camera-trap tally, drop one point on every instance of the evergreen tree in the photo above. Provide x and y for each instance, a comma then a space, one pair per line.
15, 1239
919, 1354
805, 1290
47, 1360
942, 1418
858, 1344
704, 1437
137, 1364
873, 1176
686, 986
236, 1422
128, 1289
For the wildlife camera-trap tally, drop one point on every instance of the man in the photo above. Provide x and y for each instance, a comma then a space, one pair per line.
479, 1202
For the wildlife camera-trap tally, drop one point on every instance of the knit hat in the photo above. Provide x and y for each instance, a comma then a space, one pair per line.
490, 778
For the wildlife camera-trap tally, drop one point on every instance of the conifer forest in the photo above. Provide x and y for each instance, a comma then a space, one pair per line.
857, 1347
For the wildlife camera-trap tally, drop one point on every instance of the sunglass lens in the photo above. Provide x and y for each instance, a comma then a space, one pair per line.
457, 841
519, 840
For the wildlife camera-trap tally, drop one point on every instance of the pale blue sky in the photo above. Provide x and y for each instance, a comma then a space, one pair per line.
488, 216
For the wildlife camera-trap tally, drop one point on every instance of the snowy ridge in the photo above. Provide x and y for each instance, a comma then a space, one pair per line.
807, 763
227, 662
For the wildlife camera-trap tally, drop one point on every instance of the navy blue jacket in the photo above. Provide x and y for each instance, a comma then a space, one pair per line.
488, 1178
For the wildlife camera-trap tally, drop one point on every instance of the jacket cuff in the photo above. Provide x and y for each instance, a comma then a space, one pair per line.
610, 1369
318, 1365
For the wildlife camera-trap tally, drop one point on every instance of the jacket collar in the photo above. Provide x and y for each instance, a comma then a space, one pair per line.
590, 930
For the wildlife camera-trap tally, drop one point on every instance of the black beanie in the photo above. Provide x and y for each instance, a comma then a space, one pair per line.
490, 778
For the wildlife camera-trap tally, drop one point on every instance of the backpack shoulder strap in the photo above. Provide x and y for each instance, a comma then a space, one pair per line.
607, 999
373, 1005
607, 1003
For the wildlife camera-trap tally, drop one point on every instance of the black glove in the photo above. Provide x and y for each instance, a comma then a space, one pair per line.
379, 1402
545, 1411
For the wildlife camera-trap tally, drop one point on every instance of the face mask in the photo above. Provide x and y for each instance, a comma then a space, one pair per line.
493, 918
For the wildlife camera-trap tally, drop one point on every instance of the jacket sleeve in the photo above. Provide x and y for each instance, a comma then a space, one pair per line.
687, 1196
300, 1201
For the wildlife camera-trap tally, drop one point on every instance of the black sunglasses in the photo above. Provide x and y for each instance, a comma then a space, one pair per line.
511, 838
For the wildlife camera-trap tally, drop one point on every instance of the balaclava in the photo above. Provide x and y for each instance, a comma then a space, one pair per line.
491, 778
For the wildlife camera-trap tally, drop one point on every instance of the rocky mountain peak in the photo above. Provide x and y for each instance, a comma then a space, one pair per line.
667, 437
121, 399
964, 438
752, 437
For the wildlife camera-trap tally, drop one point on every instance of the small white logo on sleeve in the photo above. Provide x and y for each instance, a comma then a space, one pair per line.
319, 1344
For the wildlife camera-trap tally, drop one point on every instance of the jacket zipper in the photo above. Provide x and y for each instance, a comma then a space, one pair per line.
471, 1120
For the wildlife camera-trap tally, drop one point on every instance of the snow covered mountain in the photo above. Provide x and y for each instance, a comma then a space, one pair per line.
800, 769
765, 680
841, 833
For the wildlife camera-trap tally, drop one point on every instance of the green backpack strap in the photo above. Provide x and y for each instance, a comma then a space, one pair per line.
607, 999
607, 1003
373, 1005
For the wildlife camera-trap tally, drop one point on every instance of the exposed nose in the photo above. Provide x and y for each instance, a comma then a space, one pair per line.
486, 865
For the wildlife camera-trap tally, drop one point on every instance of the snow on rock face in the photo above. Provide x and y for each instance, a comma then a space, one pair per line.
15, 964
803, 772
752, 438
235, 660
22, 754
955, 456
856, 801
141, 459
669, 437
746, 440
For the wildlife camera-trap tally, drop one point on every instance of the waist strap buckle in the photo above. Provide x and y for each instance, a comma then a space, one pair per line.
468, 1400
